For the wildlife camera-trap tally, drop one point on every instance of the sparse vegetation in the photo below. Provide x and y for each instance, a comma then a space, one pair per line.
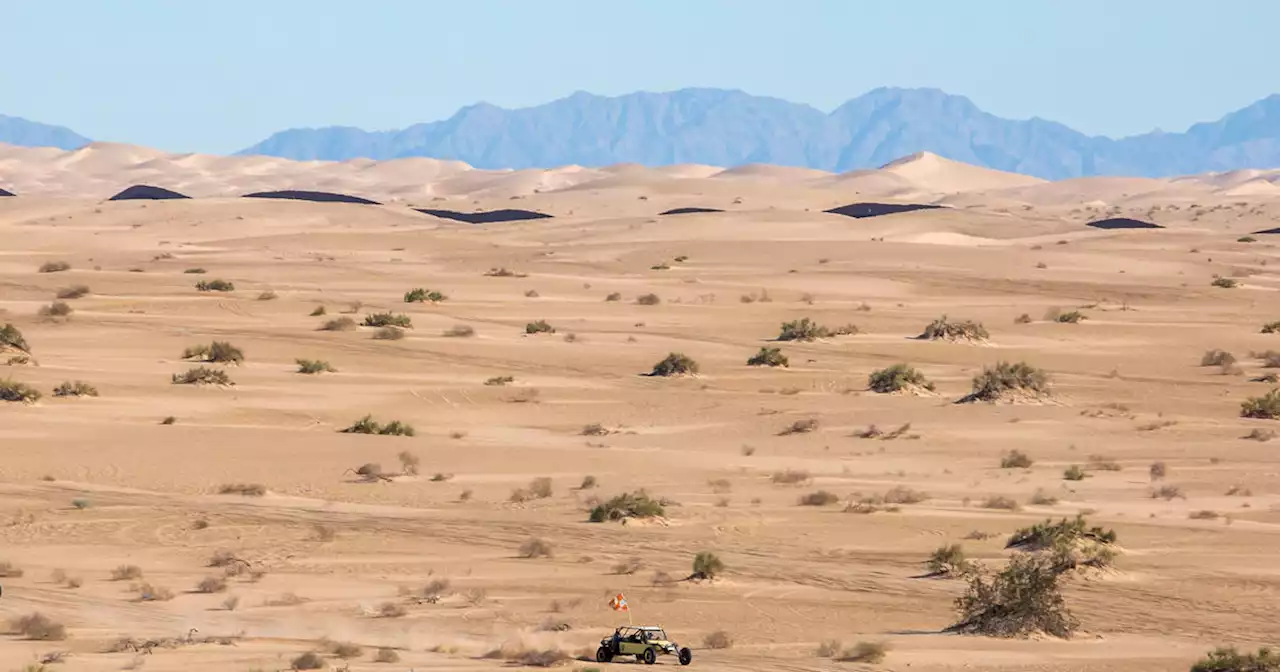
964, 330
806, 329
1071, 317
1003, 379
718, 640
498, 381
1074, 473
1167, 493
309, 661
459, 331
420, 295
74, 292
819, 498
1266, 407
871, 653
367, 425
319, 311
1016, 459
614, 296
1225, 659
536, 548
1050, 535
202, 375
313, 366
898, 378
388, 334
14, 391
1042, 498
1001, 502
648, 299
1022, 600
636, 504
212, 584
948, 560
339, 324
215, 286
800, 427
77, 388
55, 310
218, 352
126, 573
10, 337
1217, 358
503, 273
1271, 328
791, 477
386, 655
706, 566
387, 320
36, 626
539, 327
194, 271
243, 489
1225, 283
768, 357
675, 364
54, 267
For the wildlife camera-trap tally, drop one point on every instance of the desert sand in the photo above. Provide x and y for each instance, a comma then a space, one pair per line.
325, 556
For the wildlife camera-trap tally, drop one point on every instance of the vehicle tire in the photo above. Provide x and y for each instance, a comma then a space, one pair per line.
686, 656
649, 657
604, 655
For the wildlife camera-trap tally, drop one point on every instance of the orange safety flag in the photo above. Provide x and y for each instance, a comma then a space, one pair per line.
619, 603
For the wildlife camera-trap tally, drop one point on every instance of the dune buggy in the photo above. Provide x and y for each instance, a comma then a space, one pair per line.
645, 643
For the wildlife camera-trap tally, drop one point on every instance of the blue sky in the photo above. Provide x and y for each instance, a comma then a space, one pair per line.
219, 75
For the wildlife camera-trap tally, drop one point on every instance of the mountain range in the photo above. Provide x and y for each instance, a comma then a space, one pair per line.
23, 133
730, 128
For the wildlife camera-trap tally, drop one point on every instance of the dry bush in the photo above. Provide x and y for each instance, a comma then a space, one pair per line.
243, 489
217, 352
828, 648
806, 329
536, 548
1015, 459
1204, 514
498, 381
648, 299
636, 504
11, 337
268, 295
800, 427
1167, 493
339, 324
1042, 498
791, 477
1001, 502
1271, 328
706, 566
386, 655
212, 584
614, 296
409, 463
126, 573
540, 487
309, 661
8, 571
195, 271
54, 267
675, 364
345, 650
539, 327
319, 311
1102, 463
78, 388
1022, 600
948, 560
313, 366
720, 486
215, 286
1217, 358
37, 626
55, 310
387, 320
14, 391
231, 603
1072, 317
388, 334
964, 330
901, 494
995, 382
203, 375
1074, 473
1022, 319
149, 593
1225, 283
74, 292
531, 294
865, 652
420, 295
594, 429
718, 640
503, 273
1257, 434
819, 498
1224, 659
1158, 470
768, 357
392, 610
367, 425
898, 378
629, 566
1266, 407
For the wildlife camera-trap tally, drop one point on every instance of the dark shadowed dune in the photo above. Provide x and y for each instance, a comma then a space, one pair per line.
485, 217
1123, 223
863, 210
688, 211
5, 193
146, 192
313, 196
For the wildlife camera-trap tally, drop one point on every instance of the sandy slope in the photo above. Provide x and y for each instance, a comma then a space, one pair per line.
333, 549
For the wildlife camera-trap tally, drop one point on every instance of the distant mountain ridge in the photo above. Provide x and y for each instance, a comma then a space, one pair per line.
730, 128
24, 133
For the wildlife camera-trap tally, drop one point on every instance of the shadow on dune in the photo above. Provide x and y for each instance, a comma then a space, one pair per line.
489, 217
146, 192
313, 196
1266, 232
864, 210
688, 211
5, 193
1123, 223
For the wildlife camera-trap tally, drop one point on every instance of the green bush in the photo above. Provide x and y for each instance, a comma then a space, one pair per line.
1003, 378
948, 560
806, 329
388, 320
215, 286
897, 378
706, 565
10, 337
967, 330
1023, 599
768, 357
1049, 534
1073, 317
420, 295
1266, 407
1226, 659
14, 391
636, 504
675, 364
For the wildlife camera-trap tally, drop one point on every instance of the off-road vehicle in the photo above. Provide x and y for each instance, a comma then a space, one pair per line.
644, 642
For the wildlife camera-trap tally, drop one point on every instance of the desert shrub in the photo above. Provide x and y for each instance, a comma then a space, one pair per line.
539, 327
948, 560
828, 648
588, 482
268, 295
503, 273
388, 334
420, 295
386, 655
244, 489
318, 311
387, 320
718, 640
311, 366
459, 331
202, 375
392, 610
195, 271
629, 566
800, 427
1271, 328
897, 378
1022, 319
1072, 317
941, 329
14, 391
367, 425
1266, 407
594, 429
1167, 493
1158, 470
1258, 434
1001, 502
55, 309
409, 462
636, 504
768, 357
536, 548
806, 329
1003, 378
1049, 534
78, 388
1015, 459
39, 627
126, 573
74, 292
10, 337
1022, 600
500, 380
819, 498
706, 565
219, 352
1074, 473
532, 294
1102, 463
9, 571
865, 652
1217, 358
675, 364
791, 477
540, 487
215, 286
345, 650
648, 299
308, 661
1204, 514
149, 593
54, 267
1225, 283
614, 296
339, 324
211, 584
901, 494
1224, 659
